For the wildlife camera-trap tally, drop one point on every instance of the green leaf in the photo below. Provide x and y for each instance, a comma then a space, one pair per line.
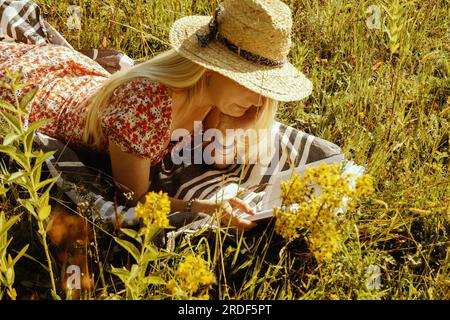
21, 85
6, 105
122, 273
20, 159
43, 199
132, 234
41, 158
20, 254
44, 183
36, 174
134, 272
131, 248
5, 226
13, 121
9, 276
27, 98
17, 76
15, 176
27, 205
9, 150
28, 142
153, 280
15, 155
5, 85
151, 254
3, 190
44, 212
36, 125
153, 230
10, 138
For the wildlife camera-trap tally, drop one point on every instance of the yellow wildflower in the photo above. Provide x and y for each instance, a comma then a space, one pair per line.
285, 224
173, 287
155, 209
315, 214
364, 186
203, 297
191, 275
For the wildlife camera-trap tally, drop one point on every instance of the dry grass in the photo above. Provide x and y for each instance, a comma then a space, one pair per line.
384, 97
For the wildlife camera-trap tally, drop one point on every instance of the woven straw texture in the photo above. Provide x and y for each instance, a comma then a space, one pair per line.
259, 26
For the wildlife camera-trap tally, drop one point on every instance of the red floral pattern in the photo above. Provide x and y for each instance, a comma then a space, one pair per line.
138, 117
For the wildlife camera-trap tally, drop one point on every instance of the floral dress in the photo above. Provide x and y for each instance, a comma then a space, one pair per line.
137, 118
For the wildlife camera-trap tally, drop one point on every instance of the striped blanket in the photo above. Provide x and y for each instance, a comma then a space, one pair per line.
21, 21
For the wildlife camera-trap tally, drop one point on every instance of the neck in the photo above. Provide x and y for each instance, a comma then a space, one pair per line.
185, 113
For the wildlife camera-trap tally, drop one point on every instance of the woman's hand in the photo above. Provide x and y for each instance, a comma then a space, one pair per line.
227, 210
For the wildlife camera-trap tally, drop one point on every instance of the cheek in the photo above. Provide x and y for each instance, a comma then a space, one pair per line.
232, 94
243, 98
231, 97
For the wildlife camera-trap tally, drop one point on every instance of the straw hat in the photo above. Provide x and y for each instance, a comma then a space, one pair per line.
247, 41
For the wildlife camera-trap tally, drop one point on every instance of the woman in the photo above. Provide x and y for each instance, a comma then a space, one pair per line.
228, 71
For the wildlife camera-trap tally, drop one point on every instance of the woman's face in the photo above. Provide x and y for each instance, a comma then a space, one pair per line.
230, 97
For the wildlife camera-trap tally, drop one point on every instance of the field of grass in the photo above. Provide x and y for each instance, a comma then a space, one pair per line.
382, 93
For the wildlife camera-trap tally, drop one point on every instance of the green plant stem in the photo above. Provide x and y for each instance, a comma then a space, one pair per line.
47, 253
34, 196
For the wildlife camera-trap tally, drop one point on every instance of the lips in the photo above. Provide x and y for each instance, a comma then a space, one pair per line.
241, 107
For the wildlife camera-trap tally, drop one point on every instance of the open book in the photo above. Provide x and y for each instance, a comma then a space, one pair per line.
271, 199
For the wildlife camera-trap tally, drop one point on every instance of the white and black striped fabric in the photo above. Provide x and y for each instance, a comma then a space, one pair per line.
186, 181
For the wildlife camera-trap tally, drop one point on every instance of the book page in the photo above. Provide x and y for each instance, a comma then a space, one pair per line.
272, 195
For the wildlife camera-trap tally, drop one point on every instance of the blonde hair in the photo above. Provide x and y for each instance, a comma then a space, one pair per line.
171, 69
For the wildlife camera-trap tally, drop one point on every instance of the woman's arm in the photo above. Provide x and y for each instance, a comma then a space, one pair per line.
132, 175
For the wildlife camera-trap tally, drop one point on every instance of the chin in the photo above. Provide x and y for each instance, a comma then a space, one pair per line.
235, 111
240, 113
235, 114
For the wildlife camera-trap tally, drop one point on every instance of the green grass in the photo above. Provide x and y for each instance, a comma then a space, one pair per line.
384, 98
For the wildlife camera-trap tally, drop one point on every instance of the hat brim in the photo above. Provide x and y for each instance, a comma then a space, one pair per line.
285, 83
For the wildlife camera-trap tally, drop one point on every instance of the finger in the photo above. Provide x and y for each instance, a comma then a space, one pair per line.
238, 203
244, 225
230, 219
240, 223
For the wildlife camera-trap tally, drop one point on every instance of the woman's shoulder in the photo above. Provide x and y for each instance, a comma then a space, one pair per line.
138, 117
141, 86
139, 98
